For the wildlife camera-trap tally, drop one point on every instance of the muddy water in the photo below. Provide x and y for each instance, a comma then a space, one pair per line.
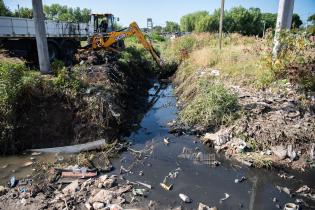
201, 182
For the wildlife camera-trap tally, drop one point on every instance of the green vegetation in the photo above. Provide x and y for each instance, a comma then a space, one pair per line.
171, 27
212, 106
311, 27
236, 20
244, 61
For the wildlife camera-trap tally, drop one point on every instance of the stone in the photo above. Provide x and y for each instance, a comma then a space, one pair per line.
102, 196
88, 206
98, 205
3, 190
279, 151
109, 183
72, 188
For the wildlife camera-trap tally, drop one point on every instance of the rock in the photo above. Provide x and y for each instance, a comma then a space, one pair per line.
72, 188
279, 151
102, 196
109, 183
202, 206
184, 198
88, 206
98, 205
23, 201
3, 190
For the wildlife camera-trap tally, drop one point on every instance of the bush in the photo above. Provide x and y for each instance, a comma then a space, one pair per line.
295, 61
212, 106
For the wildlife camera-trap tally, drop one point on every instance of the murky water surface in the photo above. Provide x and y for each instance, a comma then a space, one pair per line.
201, 182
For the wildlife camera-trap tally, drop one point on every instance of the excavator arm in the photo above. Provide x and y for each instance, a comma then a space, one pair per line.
99, 41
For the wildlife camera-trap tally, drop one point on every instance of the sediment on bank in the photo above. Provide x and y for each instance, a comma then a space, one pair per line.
242, 102
101, 98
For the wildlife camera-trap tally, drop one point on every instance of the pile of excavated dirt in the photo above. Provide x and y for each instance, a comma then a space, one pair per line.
113, 99
274, 129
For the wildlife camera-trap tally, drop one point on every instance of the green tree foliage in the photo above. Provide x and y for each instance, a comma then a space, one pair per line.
23, 12
157, 29
311, 28
64, 13
296, 21
269, 19
171, 27
188, 22
238, 19
4, 11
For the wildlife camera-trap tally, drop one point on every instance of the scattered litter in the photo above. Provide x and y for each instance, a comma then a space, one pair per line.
138, 191
166, 187
291, 153
284, 189
274, 200
78, 174
145, 185
226, 197
26, 164
285, 175
5, 166
141, 173
123, 170
290, 206
312, 152
202, 206
240, 180
215, 72
184, 198
35, 153
166, 141
303, 189
247, 163
199, 157
13, 182
174, 174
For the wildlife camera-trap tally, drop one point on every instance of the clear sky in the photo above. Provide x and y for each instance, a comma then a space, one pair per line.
163, 10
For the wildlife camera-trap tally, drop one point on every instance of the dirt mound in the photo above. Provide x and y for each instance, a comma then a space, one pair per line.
113, 97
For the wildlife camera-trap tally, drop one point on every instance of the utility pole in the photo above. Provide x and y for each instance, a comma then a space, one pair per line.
221, 24
19, 10
284, 20
264, 30
41, 39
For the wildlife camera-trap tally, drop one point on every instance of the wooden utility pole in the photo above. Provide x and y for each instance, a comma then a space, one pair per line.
221, 24
41, 39
284, 20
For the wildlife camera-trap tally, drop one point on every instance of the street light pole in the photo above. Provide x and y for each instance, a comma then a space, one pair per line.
284, 21
41, 39
221, 24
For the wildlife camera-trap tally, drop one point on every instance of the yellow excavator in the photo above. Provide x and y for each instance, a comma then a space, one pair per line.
105, 36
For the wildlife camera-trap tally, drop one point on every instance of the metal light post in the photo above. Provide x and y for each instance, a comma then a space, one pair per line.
221, 24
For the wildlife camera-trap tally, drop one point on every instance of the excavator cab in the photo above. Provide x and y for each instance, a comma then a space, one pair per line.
103, 23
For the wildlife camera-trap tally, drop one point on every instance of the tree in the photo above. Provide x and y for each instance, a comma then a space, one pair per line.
4, 11
270, 20
311, 19
207, 24
23, 12
311, 28
68, 14
188, 22
296, 21
157, 29
171, 27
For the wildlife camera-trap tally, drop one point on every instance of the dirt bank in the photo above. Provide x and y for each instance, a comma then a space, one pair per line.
78, 104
